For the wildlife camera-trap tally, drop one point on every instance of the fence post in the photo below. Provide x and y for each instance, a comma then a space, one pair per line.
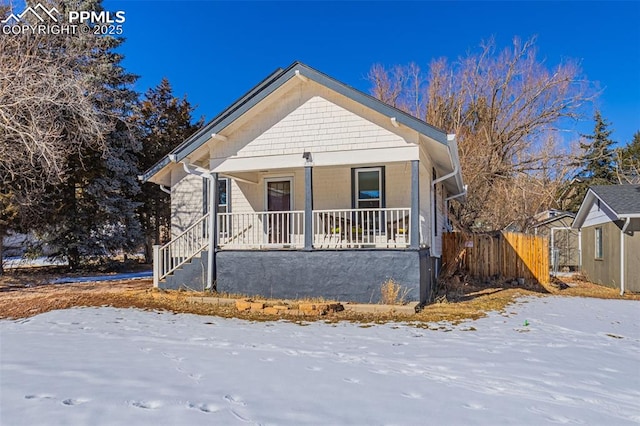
156, 265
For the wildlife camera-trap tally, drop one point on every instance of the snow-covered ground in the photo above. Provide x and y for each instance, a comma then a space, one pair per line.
22, 262
577, 361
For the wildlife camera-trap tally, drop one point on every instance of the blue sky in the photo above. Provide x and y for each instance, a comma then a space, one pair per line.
215, 51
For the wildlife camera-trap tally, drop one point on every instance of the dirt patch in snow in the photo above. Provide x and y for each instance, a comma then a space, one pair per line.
25, 295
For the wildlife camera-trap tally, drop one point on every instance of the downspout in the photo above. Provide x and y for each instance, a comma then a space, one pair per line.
622, 270
456, 170
463, 193
165, 189
198, 171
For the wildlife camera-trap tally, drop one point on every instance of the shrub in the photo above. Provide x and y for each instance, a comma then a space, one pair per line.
393, 293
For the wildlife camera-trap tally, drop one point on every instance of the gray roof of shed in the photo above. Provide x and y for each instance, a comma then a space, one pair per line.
622, 199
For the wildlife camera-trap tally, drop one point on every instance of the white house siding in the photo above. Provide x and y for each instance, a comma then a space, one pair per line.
186, 201
249, 197
598, 215
309, 118
331, 188
318, 126
398, 185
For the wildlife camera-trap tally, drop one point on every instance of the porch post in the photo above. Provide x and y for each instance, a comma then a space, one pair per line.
213, 230
308, 209
156, 265
415, 205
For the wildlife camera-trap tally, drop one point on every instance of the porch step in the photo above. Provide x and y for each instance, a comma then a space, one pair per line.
190, 276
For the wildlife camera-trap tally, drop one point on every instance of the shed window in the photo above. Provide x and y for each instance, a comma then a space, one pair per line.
598, 239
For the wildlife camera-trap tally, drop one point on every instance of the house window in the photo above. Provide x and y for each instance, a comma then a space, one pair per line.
368, 188
598, 239
223, 195
223, 191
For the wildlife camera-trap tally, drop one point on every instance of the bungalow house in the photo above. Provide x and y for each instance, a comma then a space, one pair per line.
609, 220
306, 187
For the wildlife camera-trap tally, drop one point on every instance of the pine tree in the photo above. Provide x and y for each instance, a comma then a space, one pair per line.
628, 161
598, 166
92, 213
162, 120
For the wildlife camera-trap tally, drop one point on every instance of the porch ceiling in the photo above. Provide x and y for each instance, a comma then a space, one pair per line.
318, 159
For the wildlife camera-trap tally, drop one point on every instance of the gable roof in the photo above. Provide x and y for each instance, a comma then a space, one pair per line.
560, 215
276, 80
622, 200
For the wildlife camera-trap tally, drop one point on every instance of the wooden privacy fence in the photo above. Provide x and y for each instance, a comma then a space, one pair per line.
509, 255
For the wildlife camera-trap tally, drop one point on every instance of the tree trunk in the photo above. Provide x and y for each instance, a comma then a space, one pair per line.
2, 233
73, 258
148, 249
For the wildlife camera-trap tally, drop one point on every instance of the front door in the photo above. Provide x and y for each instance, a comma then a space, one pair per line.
278, 200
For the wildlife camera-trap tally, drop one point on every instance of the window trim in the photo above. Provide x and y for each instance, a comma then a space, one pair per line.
205, 195
355, 189
228, 193
284, 178
598, 249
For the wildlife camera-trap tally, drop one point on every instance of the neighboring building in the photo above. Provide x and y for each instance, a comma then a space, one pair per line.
319, 189
609, 220
564, 253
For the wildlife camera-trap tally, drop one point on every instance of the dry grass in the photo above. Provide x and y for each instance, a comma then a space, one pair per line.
23, 295
392, 293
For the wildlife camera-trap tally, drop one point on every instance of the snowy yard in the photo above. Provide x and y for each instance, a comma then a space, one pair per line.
577, 361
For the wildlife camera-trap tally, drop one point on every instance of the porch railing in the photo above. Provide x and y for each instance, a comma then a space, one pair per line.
182, 248
361, 228
261, 229
339, 228
332, 229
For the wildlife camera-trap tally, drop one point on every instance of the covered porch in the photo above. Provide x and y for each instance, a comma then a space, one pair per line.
321, 205
311, 208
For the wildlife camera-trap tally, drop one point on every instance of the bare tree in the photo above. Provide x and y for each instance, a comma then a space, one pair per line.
45, 117
506, 108
45, 113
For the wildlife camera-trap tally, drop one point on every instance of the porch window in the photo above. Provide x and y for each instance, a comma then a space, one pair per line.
368, 194
223, 195
368, 188
598, 239
223, 191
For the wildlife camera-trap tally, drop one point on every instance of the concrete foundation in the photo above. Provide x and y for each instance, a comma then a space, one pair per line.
342, 275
